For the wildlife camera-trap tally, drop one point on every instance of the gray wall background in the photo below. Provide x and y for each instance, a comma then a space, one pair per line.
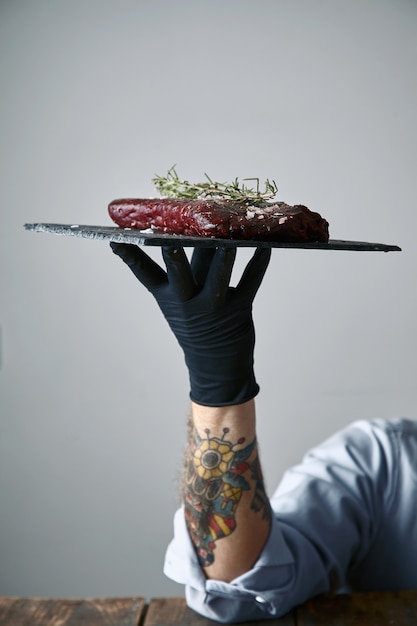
97, 97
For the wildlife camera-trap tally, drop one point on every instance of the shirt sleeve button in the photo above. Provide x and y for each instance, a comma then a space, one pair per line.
260, 599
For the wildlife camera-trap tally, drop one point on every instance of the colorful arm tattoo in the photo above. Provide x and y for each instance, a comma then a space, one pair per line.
214, 482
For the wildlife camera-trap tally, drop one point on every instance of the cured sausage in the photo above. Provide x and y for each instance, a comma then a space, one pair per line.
226, 219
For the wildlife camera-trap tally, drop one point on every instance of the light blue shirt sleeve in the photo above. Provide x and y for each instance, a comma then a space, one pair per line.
336, 518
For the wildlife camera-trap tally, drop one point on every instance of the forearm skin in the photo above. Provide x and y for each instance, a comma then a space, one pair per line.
226, 506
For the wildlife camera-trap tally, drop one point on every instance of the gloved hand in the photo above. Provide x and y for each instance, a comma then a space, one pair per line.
211, 321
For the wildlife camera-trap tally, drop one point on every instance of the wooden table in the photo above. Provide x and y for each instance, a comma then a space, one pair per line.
357, 609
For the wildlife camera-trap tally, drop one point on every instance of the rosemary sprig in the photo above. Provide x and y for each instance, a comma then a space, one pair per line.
172, 186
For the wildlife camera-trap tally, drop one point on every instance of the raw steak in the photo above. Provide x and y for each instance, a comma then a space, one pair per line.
221, 218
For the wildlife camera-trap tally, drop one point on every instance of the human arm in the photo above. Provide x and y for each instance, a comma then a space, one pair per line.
324, 511
226, 507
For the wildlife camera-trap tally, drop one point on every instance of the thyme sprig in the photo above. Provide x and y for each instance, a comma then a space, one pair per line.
172, 186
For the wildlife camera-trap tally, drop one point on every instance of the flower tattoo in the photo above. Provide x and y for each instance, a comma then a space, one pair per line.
213, 486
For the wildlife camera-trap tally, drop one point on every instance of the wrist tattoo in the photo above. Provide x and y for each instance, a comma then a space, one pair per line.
215, 476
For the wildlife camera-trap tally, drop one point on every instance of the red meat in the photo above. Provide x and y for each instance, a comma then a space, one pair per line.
221, 218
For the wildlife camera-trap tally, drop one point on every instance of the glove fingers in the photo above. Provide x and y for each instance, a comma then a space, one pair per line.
149, 273
200, 264
254, 273
179, 273
218, 277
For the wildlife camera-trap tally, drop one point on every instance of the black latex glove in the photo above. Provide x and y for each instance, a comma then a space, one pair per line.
211, 321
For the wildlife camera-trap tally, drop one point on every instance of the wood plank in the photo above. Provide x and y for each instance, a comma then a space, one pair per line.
174, 612
393, 608
61, 612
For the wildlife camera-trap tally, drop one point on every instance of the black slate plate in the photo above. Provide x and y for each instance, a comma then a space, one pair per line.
144, 238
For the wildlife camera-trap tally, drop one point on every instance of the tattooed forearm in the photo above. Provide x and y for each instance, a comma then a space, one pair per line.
217, 472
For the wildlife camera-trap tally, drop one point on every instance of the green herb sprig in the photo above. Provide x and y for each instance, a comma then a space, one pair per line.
172, 186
